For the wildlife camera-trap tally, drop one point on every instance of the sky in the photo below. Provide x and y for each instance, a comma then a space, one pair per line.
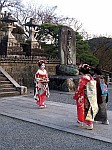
95, 15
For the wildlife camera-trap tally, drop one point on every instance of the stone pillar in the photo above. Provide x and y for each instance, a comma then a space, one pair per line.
67, 46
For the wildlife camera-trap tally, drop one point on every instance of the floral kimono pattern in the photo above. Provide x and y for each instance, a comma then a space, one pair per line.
42, 88
86, 99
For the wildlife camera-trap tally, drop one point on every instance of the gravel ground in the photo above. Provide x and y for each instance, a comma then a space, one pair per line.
68, 98
20, 135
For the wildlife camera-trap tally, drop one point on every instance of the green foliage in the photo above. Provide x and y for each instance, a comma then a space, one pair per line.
81, 45
45, 31
48, 29
84, 54
50, 50
88, 57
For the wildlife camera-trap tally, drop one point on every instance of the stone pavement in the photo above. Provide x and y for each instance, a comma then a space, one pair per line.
57, 115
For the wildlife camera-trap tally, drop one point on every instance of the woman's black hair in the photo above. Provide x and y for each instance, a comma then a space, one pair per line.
41, 62
97, 70
85, 69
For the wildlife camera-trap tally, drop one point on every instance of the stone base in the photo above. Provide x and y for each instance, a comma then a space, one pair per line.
63, 83
23, 90
68, 70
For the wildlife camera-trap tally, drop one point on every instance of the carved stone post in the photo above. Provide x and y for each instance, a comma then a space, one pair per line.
67, 46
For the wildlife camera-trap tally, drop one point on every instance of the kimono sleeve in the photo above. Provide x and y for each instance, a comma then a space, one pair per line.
37, 76
80, 89
46, 76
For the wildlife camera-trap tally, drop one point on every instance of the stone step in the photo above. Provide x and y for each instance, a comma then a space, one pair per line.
5, 82
3, 78
12, 93
7, 89
6, 85
1, 75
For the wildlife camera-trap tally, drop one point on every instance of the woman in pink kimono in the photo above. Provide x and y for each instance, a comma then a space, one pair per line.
86, 99
41, 86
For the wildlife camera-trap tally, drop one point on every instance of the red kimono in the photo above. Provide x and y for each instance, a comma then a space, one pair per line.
42, 89
86, 100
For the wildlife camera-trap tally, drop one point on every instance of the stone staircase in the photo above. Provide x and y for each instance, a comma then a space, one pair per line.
8, 86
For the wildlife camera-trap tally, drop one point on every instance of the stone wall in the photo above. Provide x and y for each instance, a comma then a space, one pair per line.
24, 69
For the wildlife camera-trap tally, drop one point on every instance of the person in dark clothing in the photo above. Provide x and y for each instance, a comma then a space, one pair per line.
102, 99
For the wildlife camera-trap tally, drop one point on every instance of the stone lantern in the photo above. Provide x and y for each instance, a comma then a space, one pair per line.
31, 43
9, 20
9, 44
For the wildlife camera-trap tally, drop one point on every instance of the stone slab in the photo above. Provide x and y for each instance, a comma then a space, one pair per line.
57, 115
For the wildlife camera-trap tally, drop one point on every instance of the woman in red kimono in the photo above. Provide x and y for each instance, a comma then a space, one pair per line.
86, 99
41, 87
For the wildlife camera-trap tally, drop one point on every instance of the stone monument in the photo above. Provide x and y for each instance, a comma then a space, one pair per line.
67, 46
66, 77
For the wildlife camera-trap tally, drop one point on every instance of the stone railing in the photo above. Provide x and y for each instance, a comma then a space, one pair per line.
21, 89
28, 58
